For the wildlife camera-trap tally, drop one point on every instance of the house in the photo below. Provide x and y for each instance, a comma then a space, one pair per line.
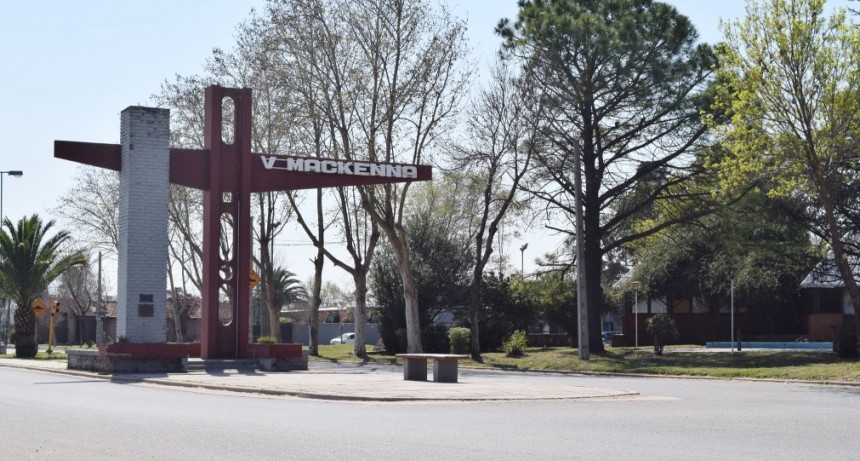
77, 325
700, 319
826, 305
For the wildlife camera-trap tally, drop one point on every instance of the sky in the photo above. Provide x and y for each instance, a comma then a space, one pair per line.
70, 66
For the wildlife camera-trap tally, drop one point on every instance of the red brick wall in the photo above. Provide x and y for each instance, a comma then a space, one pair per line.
822, 327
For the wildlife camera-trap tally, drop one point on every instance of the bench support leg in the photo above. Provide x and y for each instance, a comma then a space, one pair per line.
415, 369
445, 371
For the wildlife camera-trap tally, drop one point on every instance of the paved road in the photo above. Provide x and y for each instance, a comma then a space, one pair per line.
50, 416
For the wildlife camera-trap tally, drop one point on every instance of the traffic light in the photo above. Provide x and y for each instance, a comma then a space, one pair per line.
55, 305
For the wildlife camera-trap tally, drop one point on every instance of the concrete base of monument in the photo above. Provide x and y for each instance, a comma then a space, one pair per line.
279, 357
173, 357
110, 363
284, 363
152, 350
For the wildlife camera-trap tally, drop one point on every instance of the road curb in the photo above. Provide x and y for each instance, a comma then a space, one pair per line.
258, 390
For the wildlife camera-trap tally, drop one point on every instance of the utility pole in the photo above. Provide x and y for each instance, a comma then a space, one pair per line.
581, 292
523, 259
99, 326
635, 286
14, 174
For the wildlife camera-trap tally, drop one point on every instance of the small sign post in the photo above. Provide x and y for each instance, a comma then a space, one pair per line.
255, 279
55, 307
38, 307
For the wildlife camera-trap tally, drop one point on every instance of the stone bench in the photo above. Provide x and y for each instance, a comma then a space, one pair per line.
444, 367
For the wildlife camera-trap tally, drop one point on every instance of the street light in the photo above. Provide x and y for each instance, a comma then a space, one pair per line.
522, 259
635, 286
17, 174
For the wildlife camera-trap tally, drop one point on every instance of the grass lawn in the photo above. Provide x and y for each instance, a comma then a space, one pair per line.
40, 356
59, 353
681, 361
788, 365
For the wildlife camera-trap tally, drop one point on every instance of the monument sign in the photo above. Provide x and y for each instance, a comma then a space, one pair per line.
228, 172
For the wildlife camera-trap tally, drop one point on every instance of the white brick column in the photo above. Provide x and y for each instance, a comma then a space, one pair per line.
142, 274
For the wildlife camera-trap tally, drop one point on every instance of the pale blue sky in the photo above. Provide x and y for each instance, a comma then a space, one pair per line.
68, 67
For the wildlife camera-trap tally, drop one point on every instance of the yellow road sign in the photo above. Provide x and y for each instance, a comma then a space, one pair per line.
38, 307
255, 279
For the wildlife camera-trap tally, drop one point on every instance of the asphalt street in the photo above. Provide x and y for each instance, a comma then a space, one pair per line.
48, 415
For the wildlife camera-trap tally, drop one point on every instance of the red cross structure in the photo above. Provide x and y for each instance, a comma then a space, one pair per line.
228, 173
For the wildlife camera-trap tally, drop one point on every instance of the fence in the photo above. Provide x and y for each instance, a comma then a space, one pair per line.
328, 331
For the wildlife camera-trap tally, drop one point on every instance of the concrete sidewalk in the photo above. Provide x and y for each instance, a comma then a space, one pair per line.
353, 383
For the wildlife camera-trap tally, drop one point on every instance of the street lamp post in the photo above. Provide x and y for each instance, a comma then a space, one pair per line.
522, 259
16, 174
635, 286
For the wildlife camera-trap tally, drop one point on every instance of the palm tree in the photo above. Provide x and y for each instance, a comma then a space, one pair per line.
29, 262
287, 289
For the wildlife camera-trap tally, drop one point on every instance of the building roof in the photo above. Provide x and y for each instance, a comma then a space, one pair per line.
825, 274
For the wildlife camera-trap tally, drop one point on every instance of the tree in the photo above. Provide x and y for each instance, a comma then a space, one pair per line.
493, 159
508, 306
790, 87
246, 65
335, 296
30, 261
287, 290
440, 262
179, 303
361, 236
625, 79
79, 284
91, 207
553, 295
756, 243
662, 328
391, 75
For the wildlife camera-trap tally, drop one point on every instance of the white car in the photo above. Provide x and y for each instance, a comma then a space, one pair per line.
346, 338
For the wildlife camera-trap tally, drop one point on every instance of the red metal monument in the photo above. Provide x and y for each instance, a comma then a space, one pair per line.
228, 172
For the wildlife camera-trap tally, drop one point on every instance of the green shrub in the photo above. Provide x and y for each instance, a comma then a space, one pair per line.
266, 340
516, 344
662, 328
459, 338
845, 342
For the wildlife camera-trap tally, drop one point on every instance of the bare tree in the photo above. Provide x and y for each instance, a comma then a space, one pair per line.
91, 207
391, 74
361, 237
243, 66
79, 285
494, 157
180, 303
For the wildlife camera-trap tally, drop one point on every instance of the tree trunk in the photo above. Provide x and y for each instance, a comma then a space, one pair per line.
264, 319
316, 300
841, 259
177, 325
25, 332
410, 294
475, 312
593, 268
592, 241
275, 321
81, 334
360, 280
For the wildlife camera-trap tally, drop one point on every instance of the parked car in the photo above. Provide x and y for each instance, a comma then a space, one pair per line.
346, 338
